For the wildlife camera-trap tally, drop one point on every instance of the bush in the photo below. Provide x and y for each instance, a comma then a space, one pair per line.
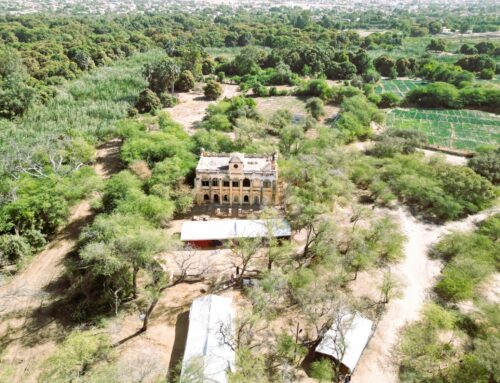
398, 141
487, 74
487, 164
388, 100
316, 88
315, 107
13, 248
185, 82
147, 101
212, 90
436, 95
356, 116
168, 100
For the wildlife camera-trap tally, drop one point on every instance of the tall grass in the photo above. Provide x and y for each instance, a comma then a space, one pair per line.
87, 107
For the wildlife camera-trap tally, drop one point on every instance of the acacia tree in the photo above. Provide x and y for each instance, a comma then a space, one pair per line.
245, 250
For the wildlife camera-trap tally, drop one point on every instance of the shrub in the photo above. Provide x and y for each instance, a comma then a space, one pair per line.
168, 100
388, 100
13, 248
212, 90
185, 82
147, 101
315, 107
487, 164
487, 74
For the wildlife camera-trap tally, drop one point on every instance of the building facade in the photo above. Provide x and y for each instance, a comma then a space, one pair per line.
237, 180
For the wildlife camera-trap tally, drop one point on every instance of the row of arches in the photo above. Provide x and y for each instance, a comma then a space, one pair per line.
246, 183
225, 199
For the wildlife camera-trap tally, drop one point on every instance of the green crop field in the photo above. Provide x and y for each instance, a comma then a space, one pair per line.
398, 87
456, 129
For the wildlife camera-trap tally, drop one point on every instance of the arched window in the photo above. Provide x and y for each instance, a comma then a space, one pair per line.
215, 182
225, 198
246, 183
236, 199
245, 199
205, 183
216, 198
267, 184
206, 197
256, 200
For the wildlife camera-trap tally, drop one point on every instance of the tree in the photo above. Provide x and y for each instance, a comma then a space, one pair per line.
245, 250
212, 90
389, 287
185, 82
322, 370
384, 65
435, 27
438, 45
74, 356
147, 102
315, 107
162, 75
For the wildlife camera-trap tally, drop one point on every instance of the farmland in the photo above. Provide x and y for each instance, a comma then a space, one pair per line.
398, 87
456, 129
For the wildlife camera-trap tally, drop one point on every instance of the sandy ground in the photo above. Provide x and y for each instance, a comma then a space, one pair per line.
417, 273
26, 331
449, 158
192, 106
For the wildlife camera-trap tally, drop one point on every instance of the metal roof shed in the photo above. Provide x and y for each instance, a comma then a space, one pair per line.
205, 349
346, 341
224, 229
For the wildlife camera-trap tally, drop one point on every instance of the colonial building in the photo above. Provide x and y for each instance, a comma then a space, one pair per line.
237, 179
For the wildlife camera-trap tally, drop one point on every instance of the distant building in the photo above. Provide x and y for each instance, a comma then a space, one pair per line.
207, 357
237, 179
345, 340
213, 233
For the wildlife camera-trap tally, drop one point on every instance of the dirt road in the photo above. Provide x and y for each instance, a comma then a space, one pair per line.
418, 273
24, 330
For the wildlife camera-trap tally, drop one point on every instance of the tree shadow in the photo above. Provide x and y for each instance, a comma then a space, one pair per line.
181, 331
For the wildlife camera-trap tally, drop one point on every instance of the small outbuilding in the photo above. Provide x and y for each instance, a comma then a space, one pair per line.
206, 355
345, 340
212, 233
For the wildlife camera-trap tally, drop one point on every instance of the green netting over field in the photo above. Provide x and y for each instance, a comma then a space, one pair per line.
398, 87
457, 129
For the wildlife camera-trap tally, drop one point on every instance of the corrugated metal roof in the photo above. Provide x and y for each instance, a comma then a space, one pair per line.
222, 229
205, 351
347, 341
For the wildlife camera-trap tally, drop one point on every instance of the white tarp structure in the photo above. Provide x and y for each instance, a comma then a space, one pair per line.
346, 339
223, 229
206, 354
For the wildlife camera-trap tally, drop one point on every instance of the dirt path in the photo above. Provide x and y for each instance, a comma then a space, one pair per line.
192, 106
418, 273
26, 294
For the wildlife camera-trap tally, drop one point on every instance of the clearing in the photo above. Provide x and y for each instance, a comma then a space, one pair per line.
296, 105
192, 106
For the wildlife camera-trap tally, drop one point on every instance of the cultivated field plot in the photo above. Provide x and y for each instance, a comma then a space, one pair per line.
456, 129
398, 87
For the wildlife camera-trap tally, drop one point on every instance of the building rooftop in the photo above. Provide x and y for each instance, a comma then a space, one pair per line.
221, 161
223, 229
346, 342
205, 349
